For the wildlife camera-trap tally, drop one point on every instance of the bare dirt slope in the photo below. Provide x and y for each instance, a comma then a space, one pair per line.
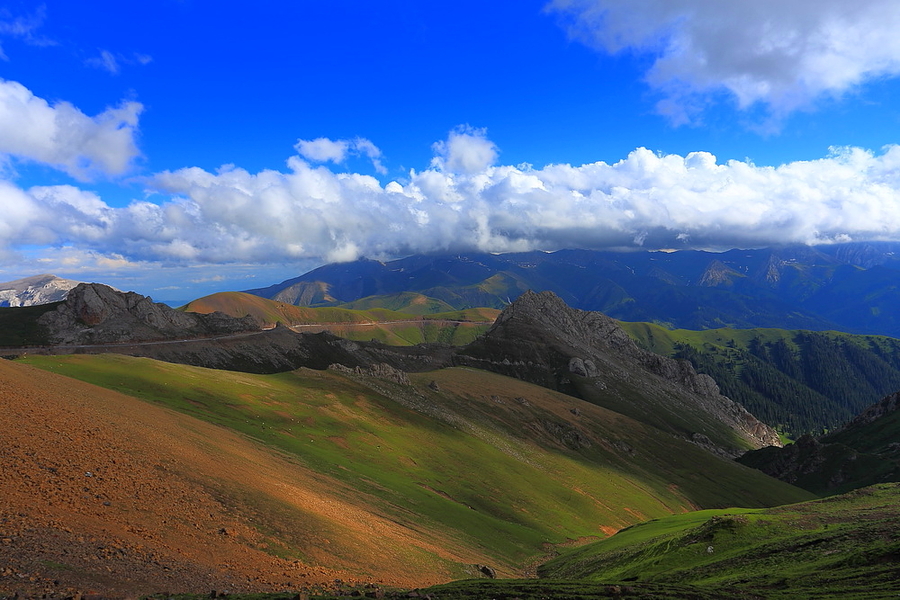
102, 493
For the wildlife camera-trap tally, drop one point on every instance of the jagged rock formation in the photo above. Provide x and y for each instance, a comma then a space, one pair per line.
95, 315
31, 291
98, 314
540, 339
379, 370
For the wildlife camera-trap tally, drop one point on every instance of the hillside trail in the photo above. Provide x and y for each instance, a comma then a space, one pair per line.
105, 494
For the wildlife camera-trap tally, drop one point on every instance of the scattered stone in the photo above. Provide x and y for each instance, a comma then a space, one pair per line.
583, 367
487, 571
566, 434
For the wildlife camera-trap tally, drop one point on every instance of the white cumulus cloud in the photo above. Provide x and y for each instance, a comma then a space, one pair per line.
782, 54
337, 151
466, 150
310, 212
63, 137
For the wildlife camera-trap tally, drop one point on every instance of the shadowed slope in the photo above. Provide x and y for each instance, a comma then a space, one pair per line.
865, 451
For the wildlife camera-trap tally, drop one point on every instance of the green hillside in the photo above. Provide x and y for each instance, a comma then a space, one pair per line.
504, 467
798, 381
401, 320
269, 312
406, 302
841, 547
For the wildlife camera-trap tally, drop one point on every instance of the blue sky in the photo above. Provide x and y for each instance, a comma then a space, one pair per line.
183, 147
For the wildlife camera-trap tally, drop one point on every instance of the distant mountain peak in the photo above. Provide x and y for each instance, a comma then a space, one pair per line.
34, 290
718, 273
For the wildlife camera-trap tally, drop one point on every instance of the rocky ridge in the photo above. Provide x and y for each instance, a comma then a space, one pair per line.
97, 314
540, 339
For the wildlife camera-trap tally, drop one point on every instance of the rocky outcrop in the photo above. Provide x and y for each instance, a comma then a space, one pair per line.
539, 338
379, 370
98, 314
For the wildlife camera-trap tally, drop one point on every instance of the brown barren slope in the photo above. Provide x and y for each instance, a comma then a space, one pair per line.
103, 493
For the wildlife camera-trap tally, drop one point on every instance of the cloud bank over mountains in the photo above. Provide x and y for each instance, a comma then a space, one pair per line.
780, 54
465, 199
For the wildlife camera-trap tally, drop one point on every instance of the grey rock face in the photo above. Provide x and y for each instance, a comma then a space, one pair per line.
98, 314
379, 370
539, 338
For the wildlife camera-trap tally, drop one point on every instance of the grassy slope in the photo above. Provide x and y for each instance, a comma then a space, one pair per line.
663, 341
376, 318
406, 302
841, 547
239, 304
176, 503
499, 476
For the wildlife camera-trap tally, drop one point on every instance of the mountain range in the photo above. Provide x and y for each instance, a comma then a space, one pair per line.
850, 287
